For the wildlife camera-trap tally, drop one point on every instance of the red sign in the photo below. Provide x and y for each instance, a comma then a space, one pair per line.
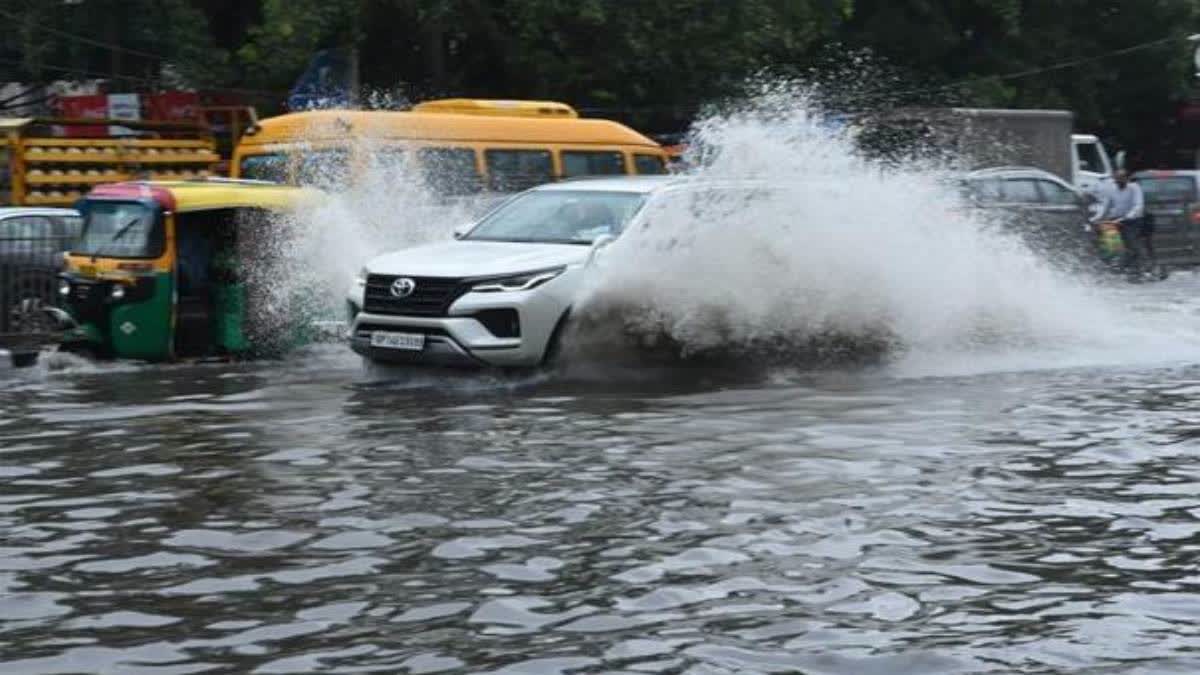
94, 106
173, 106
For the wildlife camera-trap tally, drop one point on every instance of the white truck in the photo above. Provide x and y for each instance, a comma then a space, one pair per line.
986, 137
1092, 167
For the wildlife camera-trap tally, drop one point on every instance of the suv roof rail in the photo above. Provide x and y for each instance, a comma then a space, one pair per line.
1013, 167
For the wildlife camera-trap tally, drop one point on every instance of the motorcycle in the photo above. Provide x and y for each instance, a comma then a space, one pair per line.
1116, 258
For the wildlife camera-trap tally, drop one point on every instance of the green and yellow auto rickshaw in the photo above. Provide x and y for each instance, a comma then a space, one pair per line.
162, 269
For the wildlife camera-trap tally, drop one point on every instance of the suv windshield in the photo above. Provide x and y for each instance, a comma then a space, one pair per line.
120, 230
559, 217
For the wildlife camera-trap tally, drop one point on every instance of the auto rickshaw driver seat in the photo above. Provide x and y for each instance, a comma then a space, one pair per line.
194, 325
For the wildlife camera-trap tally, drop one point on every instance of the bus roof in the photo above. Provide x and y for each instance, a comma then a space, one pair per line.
183, 196
498, 108
333, 125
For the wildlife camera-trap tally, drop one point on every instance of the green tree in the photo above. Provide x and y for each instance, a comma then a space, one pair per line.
1052, 49
290, 31
138, 44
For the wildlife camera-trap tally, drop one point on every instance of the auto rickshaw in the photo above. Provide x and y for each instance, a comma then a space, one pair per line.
161, 268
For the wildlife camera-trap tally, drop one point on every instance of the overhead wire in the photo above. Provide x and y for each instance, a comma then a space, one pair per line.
1029, 72
151, 82
81, 38
1001, 77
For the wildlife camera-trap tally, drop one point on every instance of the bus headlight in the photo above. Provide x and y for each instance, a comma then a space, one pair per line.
64, 287
117, 292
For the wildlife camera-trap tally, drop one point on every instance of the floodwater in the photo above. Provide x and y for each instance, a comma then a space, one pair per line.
290, 517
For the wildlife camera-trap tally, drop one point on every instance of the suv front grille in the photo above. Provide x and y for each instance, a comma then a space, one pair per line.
432, 296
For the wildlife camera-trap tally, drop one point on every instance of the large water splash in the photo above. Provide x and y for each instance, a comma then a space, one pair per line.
831, 256
384, 202
835, 256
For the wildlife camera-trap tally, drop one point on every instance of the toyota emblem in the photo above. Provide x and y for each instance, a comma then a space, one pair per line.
403, 287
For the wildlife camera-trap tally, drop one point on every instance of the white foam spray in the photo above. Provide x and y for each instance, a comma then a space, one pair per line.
838, 247
841, 248
382, 204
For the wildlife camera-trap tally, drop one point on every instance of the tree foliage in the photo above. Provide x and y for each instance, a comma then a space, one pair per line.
659, 59
1060, 53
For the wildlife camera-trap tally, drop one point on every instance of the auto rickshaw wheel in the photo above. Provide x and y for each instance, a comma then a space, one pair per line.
28, 315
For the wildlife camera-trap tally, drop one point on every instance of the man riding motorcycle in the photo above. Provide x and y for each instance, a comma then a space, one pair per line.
1123, 204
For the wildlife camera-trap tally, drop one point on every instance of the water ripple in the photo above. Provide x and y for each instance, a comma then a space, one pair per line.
271, 519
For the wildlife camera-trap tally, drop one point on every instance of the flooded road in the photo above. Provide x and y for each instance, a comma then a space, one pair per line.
288, 518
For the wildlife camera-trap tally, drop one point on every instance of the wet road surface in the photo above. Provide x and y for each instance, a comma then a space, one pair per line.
288, 518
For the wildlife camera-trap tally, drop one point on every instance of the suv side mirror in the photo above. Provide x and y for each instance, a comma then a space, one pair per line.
461, 231
599, 243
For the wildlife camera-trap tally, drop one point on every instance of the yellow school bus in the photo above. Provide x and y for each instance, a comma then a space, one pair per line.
457, 146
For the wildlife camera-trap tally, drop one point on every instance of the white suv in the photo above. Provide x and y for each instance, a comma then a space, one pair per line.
498, 294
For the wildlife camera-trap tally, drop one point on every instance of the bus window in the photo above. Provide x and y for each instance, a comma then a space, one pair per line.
450, 171
264, 167
592, 163
326, 169
511, 170
390, 163
649, 164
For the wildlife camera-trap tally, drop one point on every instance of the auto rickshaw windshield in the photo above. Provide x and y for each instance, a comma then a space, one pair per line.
120, 230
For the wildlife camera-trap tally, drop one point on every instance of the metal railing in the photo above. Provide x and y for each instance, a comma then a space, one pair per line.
29, 268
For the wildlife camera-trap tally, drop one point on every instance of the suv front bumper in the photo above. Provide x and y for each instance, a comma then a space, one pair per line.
460, 339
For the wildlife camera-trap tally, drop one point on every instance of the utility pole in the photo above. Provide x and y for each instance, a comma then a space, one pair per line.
1195, 38
112, 30
354, 75
436, 43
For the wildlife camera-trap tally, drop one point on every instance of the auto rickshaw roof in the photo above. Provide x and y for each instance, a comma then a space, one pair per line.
209, 195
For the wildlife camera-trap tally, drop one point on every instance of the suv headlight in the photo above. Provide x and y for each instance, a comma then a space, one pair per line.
360, 279
517, 282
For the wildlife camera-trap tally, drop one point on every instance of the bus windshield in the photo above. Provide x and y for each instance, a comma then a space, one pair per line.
120, 230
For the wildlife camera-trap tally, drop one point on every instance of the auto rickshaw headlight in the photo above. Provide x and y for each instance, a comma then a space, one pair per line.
64, 287
117, 292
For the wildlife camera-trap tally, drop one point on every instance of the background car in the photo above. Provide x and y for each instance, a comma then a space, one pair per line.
32, 241
1050, 214
1173, 204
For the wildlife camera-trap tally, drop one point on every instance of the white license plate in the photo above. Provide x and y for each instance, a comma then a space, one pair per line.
414, 342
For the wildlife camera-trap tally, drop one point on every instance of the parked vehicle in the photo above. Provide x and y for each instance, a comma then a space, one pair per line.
1047, 212
985, 137
1092, 167
1173, 206
461, 146
500, 293
32, 241
160, 269
53, 162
